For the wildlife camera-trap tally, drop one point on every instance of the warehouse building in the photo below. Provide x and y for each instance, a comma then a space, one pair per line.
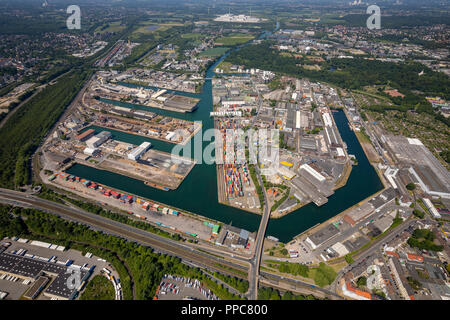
312, 172
324, 234
36, 269
99, 139
431, 208
136, 153
85, 135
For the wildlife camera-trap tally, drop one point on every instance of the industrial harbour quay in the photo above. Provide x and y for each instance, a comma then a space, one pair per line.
315, 162
202, 180
326, 145
173, 150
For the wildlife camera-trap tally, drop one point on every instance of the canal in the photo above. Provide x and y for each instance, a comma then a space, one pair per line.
198, 192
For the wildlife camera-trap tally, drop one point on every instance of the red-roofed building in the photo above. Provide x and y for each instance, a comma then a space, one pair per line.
415, 257
354, 293
392, 253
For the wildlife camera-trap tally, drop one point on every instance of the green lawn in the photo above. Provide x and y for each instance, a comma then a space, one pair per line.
99, 288
191, 35
214, 52
110, 27
234, 39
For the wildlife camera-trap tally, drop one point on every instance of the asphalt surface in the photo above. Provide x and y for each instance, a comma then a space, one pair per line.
160, 244
255, 261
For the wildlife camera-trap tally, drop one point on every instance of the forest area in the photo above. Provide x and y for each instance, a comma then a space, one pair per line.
22, 133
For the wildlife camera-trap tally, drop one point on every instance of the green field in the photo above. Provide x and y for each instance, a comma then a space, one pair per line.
191, 35
99, 288
214, 52
234, 39
110, 27
148, 28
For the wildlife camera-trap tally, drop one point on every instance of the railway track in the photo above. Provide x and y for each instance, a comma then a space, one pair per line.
127, 232
159, 244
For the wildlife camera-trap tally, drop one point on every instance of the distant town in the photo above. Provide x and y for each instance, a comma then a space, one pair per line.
107, 191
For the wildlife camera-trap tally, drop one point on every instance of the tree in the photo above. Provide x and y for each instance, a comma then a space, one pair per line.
287, 296
349, 258
324, 275
419, 214
362, 281
275, 295
411, 186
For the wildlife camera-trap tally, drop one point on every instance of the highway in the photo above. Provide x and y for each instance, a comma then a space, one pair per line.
112, 227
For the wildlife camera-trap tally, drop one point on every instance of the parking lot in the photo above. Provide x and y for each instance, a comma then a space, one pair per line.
182, 288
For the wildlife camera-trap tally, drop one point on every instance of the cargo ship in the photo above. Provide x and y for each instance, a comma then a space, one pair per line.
157, 186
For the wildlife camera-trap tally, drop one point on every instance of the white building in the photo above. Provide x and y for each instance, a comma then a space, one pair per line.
390, 174
90, 151
98, 140
136, 153
327, 119
313, 172
431, 208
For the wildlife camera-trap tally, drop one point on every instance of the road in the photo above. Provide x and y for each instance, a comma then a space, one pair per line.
255, 261
372, 249
160, 244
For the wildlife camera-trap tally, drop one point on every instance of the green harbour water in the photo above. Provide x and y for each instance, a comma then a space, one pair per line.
198, 192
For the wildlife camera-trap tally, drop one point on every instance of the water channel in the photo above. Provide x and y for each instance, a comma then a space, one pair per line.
198, 192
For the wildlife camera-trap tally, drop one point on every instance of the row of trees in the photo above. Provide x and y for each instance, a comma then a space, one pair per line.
273, 294
50, 195
239, 284
23, 132
259, 190
137, 265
